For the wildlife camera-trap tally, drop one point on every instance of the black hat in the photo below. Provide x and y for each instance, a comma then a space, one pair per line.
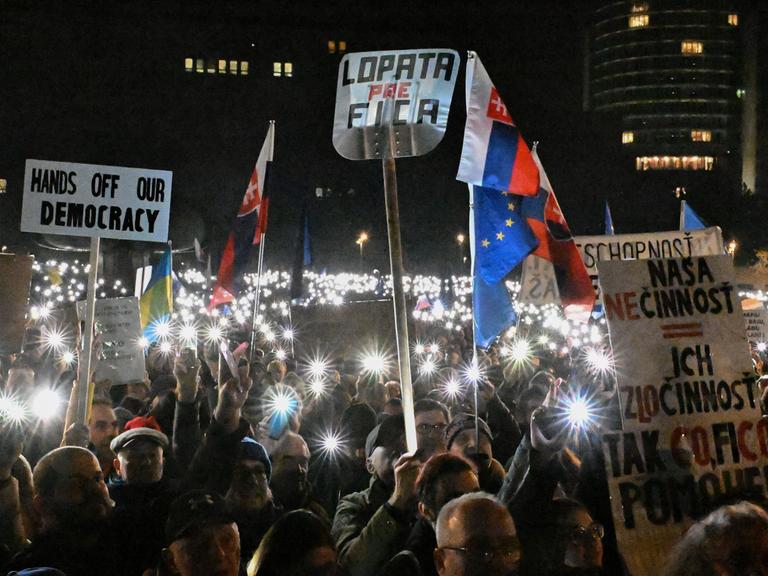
463, 422
389, 431
195, 509
249, 449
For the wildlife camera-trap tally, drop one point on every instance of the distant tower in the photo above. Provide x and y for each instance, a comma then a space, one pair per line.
666, 78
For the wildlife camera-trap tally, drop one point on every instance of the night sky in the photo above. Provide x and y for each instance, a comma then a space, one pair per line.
104, 83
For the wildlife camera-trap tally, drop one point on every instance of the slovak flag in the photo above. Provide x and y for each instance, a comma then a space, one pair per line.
494, 154
245, 229
556, 245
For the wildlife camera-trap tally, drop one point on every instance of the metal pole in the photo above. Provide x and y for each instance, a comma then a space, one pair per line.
83, 397
256, 299
398, 296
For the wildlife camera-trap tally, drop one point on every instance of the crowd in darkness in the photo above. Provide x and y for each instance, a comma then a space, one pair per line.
198, 471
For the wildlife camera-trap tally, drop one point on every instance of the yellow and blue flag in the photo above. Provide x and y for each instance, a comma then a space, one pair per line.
156, 303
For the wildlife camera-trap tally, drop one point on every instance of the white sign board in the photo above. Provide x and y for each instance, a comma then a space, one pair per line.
406, 91
692, 431
91, 200
117, 322
757, 325
539, 285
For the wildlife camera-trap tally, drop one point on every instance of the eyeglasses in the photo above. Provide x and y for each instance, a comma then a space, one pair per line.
594, 530
510, 553
431, 428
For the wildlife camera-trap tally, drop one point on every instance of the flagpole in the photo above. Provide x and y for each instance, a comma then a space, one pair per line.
84, 394
682, 215
256, 298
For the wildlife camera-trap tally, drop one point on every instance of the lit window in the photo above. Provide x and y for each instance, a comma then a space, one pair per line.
222, 66
200, 65
244, 67
331, 47
627, 137
3, 185
638, 20
701, 135
288, 68
342, 45
638, 7
211, 66
233, 66
189, 64
643, 163
733, 19
691, 47
277, 69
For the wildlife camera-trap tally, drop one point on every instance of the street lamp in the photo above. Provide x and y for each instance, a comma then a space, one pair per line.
362, 238
460, 238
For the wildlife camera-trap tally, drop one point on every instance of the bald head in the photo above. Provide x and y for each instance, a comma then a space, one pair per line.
290, 463
476, 536
70, 489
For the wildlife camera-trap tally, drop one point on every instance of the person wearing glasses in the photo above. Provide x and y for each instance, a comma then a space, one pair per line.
432, 419
476, 536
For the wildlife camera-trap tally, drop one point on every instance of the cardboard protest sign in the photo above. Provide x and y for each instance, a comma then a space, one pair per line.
692, 434
757, 325
407, 91
539, 286
117, 321
15, 278
91, 200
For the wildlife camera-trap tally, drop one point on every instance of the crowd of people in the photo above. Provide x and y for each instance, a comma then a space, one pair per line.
273, 471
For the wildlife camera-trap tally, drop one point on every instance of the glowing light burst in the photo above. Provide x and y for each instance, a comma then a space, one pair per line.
428, 367
188, 335
472, 373
280, 354
451, 388
418, 349
580, 412
53, 339
213, 334
331, 444
281, 402
598, 360
143, 342
374, 362
165, 347
317, 387
761, 346
11, 410
317, 368
68, 358
161, 328
520, 352
289, 334
46, 404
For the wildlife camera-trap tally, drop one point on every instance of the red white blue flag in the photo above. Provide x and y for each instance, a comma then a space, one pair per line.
556, 245
494, 154
246, 229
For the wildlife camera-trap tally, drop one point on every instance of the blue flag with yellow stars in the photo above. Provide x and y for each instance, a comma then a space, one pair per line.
502, 236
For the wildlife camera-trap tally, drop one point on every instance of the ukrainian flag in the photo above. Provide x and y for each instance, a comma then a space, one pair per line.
156, 304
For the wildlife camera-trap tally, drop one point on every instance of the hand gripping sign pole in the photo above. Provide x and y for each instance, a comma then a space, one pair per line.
97, 202
394, 104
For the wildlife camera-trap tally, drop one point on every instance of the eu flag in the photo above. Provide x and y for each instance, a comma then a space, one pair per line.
492, 311
502, 236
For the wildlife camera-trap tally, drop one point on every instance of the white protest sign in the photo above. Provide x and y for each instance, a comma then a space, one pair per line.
407, 90
117, 320
757, 325
91, 200
692, 430
539, 285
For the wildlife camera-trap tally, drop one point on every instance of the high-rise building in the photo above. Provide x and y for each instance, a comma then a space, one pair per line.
673, 84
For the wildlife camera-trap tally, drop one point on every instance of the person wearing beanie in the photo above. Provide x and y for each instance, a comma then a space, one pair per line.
461, 439
249, 498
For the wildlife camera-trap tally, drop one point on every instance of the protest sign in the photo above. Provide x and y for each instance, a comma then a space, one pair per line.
119, 329
692, 435
539, 286
406, 91
90, 200
15, 277
757, 325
